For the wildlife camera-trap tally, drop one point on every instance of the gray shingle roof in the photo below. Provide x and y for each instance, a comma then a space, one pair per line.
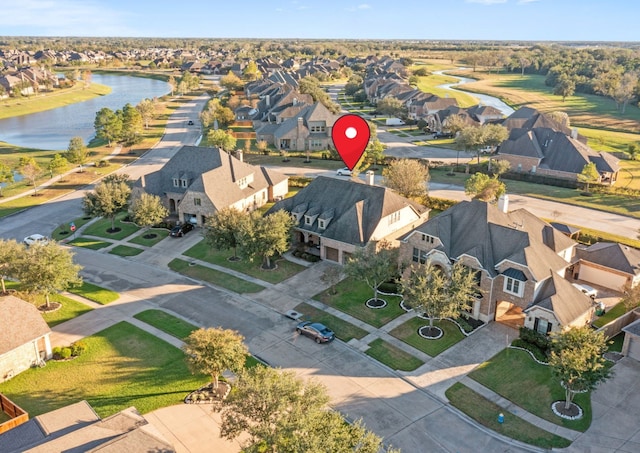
562, 298
20, 323
357, 207
612, 255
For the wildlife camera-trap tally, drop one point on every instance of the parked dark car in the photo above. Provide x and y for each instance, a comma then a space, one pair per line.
180, 230
190, 123
318, 332
443, 135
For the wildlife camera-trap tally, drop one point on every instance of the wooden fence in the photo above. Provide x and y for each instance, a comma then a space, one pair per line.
17, 414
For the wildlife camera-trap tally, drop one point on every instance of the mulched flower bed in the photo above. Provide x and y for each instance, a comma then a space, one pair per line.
376, 303
430, 333
208, 394
574, 412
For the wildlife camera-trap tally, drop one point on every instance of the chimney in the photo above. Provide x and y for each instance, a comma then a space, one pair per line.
369, 178
300, 126
574, 133
295, 101
503, 203
239, 155
267, 100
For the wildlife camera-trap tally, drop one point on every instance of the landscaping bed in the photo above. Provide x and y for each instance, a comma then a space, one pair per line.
101, 228
146, 238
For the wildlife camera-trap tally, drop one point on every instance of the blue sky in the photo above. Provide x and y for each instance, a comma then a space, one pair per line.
534, 20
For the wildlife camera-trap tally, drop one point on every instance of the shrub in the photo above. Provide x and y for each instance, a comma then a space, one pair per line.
102, 163
536, 339
536, 351
299, 181
78, 348
56, 352
440, 204
464, 324
389, 287
61, 353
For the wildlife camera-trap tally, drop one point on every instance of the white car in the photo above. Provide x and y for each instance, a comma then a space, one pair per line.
588, 290
36, 239
343, 172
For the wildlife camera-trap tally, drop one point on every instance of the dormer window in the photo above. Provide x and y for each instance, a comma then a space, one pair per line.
321, 224
428, 239
513, 286
184, 182
176, 183
307, 220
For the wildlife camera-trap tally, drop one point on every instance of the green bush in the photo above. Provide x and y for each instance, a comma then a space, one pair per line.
61, 353
78, 348
440, 204
299, 181
536, 339
389, 287
536, 351
464, 324
56, 352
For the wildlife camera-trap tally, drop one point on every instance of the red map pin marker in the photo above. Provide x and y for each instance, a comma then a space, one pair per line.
350, 136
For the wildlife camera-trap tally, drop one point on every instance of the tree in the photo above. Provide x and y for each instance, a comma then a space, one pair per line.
212, 351
331, 276
282, 413
222, 139
576, 360
172, 84
470, 138
493, 135
77, 152
560, 118
57, 164
408, 177
625, 90
390, 106
262, 146
10, 255
374, 152
47, 269
565, 86
147, 109
226, 228
251, 72
455, 124
267, 236
107, 199
436, 293
132, 124
632, 150
6, 176
231, 82
108, 125
484, 188
499, 167
588, 175
373, 265
147, 210
225, 116
30, 169
631, 297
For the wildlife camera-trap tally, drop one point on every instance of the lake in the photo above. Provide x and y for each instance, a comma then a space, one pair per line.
53, 129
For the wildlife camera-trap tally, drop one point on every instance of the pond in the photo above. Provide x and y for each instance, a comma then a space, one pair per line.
53, 129
484, 99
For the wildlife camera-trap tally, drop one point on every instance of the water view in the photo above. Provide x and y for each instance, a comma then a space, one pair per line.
52, 129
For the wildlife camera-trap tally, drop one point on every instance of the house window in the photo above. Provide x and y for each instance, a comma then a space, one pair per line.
197, 202
320, 223
428, 239
175, 182
307, 220
395, 217
419, 256
542, 326
184, 183
513, 286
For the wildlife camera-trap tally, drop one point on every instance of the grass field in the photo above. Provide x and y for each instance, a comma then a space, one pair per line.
125, 250
392, 356
215, 277
408, 332
430, 84
167, 323
95, 293
123, 366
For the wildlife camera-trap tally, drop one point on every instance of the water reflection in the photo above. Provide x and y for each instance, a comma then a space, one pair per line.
54, 128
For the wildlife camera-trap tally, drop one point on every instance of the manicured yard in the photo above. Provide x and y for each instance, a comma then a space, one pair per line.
392, 356
159, 233
100, 228
95, 293
615, 343
123, 366
614, 312
63, 231
484, 412
350, 298
167, 323
408, 332
124, 250
215, 277
93, 244
514, 375
343, 330
285, 269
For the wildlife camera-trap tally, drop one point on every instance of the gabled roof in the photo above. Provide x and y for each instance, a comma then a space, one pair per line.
481, 230
20, 323
357, 207
558, 295
612, 255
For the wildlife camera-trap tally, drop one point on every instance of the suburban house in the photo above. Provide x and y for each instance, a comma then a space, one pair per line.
77, 427
309, 130
197, 181
608, 264
24, 337
539, 144
336, 216
631, 344
520, 263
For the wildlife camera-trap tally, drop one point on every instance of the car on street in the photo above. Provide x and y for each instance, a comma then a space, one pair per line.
316, 331
343, 172
588, 290
36, 239
180, 230
190, 123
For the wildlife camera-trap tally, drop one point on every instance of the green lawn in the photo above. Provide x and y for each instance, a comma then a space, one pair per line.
612, 313
124, 250
615, 343
516, 376
485, 412
63, 231
392, 356
343, 329
167, 323
215, 277
285, 269
93, 244
141, 239
431, 83
95, 293
123, 366
100, 228
350, 298
408, 332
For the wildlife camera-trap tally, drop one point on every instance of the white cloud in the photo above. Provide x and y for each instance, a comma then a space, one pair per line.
524, 2
360, 7
64, 17
486, 2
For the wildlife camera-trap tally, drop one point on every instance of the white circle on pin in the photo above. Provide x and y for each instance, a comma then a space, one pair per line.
351, 132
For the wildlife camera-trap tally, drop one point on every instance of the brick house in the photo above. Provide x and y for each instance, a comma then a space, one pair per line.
520, 263
197, 181
24, 337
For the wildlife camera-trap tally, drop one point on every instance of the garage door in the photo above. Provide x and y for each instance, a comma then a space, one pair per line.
634, 348
331, 254
602, 278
